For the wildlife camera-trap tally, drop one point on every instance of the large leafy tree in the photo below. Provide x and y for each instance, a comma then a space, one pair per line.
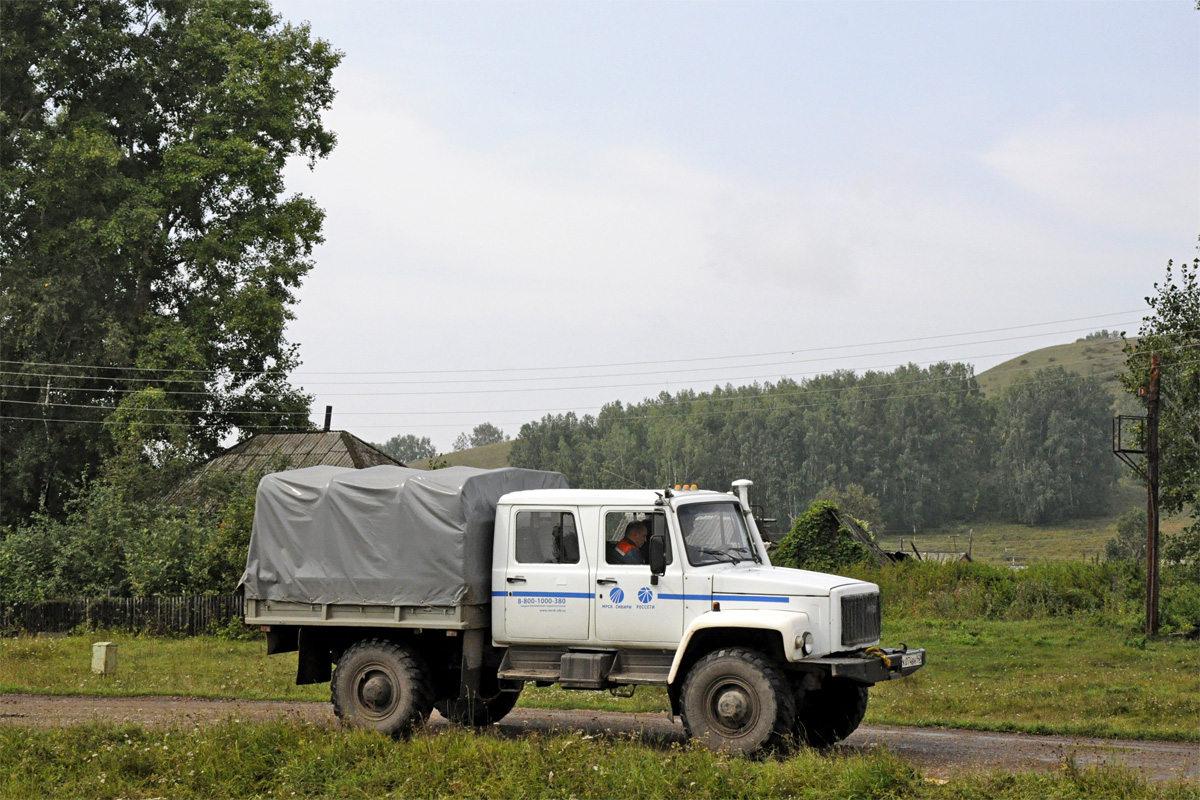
1172, 330
148, 250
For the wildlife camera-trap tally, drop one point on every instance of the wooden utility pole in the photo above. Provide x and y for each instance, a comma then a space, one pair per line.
1152, 497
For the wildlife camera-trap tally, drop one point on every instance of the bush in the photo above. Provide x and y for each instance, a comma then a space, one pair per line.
965, 590
115, 541
1130, 542
817, 541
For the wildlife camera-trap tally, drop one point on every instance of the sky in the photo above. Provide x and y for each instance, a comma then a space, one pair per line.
536, 208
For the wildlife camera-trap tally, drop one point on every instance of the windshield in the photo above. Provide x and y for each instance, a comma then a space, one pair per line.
715, 532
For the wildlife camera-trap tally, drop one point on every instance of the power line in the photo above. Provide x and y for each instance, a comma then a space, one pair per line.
56, 389
614, 364
567, 377
763, 397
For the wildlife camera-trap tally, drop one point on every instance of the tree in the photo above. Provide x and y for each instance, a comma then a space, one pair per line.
1172, 330
1130, 542
817, 541
409, 448
855, 501
1054, 461
150, 252
483, 434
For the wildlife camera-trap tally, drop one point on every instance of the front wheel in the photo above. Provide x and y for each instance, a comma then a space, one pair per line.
382, 686
737, 701
827, 715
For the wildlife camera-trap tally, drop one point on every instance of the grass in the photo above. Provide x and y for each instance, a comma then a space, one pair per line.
1100, 357
1064, 676
1013, 543
200, 666
1044, 676
285, 759
490, 456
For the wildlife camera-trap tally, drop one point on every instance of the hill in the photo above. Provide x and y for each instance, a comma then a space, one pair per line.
490, 456
1102, 358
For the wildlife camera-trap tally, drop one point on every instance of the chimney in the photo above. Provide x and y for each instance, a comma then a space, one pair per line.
328, 417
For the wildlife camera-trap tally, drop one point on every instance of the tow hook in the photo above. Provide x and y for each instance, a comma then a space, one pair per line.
875, 651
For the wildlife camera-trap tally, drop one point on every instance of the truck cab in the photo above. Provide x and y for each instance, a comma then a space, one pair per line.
570, 607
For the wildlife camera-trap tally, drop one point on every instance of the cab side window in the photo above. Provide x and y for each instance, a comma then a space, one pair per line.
547, 537
618, 543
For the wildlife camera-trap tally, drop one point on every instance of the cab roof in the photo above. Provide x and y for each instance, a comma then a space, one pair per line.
606, 497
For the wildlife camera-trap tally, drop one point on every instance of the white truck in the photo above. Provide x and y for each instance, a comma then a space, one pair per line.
451, 589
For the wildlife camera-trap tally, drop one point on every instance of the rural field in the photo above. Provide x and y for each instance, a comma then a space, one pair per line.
286, 759
1001, 659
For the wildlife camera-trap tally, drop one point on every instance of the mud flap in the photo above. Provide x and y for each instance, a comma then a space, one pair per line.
472, 662
314, 665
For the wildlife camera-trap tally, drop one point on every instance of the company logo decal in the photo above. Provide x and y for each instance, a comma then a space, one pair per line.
645, 595
616, 595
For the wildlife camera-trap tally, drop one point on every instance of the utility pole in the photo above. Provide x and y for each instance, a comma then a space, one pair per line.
1148, 469
1152, 497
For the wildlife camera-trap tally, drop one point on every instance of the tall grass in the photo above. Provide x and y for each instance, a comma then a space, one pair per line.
286, 759
1112, 592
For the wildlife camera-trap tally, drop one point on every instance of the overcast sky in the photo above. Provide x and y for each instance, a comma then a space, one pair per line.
535, 208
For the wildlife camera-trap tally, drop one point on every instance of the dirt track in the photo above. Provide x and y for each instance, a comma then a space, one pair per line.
939, 752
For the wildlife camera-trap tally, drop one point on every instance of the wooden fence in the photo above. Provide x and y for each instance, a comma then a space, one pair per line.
191, 615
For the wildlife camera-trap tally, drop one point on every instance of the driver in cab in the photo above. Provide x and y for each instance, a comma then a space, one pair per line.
629, 549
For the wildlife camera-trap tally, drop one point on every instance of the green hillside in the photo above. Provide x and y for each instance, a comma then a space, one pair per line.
1102, 358
490, 456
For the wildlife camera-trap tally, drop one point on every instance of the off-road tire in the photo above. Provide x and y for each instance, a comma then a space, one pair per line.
827, 715
736, 700
382, 686
480, 711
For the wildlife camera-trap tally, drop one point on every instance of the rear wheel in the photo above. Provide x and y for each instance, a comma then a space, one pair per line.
481, 710
736, 700
382, 686
827, 715
489, 705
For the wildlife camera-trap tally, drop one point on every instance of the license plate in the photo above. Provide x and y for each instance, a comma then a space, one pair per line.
912, 659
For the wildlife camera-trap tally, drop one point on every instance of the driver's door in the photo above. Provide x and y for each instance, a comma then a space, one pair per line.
629, 607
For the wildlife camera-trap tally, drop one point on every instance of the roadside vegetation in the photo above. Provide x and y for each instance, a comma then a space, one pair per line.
1056, 648
287, 758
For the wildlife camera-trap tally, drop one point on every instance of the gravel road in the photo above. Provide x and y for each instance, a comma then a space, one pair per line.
940, 753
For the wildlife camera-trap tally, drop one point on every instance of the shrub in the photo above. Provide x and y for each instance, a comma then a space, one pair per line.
817, 541
1130, 542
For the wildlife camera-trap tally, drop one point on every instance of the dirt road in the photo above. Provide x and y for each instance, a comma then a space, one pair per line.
938, 752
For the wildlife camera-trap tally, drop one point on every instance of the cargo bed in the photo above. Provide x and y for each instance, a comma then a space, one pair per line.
283, 612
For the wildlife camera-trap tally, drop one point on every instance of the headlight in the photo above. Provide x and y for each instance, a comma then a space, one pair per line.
805, 643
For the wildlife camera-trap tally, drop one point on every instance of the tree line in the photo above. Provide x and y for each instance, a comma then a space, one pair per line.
924, 441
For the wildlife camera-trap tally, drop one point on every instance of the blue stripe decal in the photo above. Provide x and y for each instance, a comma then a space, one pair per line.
666, 596
568, 595
749, 598
499, 594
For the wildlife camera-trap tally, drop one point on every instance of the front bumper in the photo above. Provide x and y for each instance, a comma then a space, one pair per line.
873, 665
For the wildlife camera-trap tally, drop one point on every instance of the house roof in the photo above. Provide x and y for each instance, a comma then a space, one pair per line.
271, 452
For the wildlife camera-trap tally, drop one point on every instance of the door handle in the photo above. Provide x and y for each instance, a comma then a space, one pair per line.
606, 581
515, 579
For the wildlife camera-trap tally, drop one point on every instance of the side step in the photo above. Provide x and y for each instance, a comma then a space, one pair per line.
586, 669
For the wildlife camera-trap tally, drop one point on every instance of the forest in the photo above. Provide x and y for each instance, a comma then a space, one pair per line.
923, 442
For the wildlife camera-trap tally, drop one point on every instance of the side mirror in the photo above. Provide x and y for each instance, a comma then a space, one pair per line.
658, 557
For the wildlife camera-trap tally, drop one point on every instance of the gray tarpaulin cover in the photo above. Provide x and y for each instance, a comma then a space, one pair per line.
380, 536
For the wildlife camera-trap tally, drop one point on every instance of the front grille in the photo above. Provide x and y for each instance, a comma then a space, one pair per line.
860, 619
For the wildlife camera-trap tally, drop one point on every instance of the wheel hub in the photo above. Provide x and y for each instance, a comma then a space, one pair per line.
376, 691
733, 707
